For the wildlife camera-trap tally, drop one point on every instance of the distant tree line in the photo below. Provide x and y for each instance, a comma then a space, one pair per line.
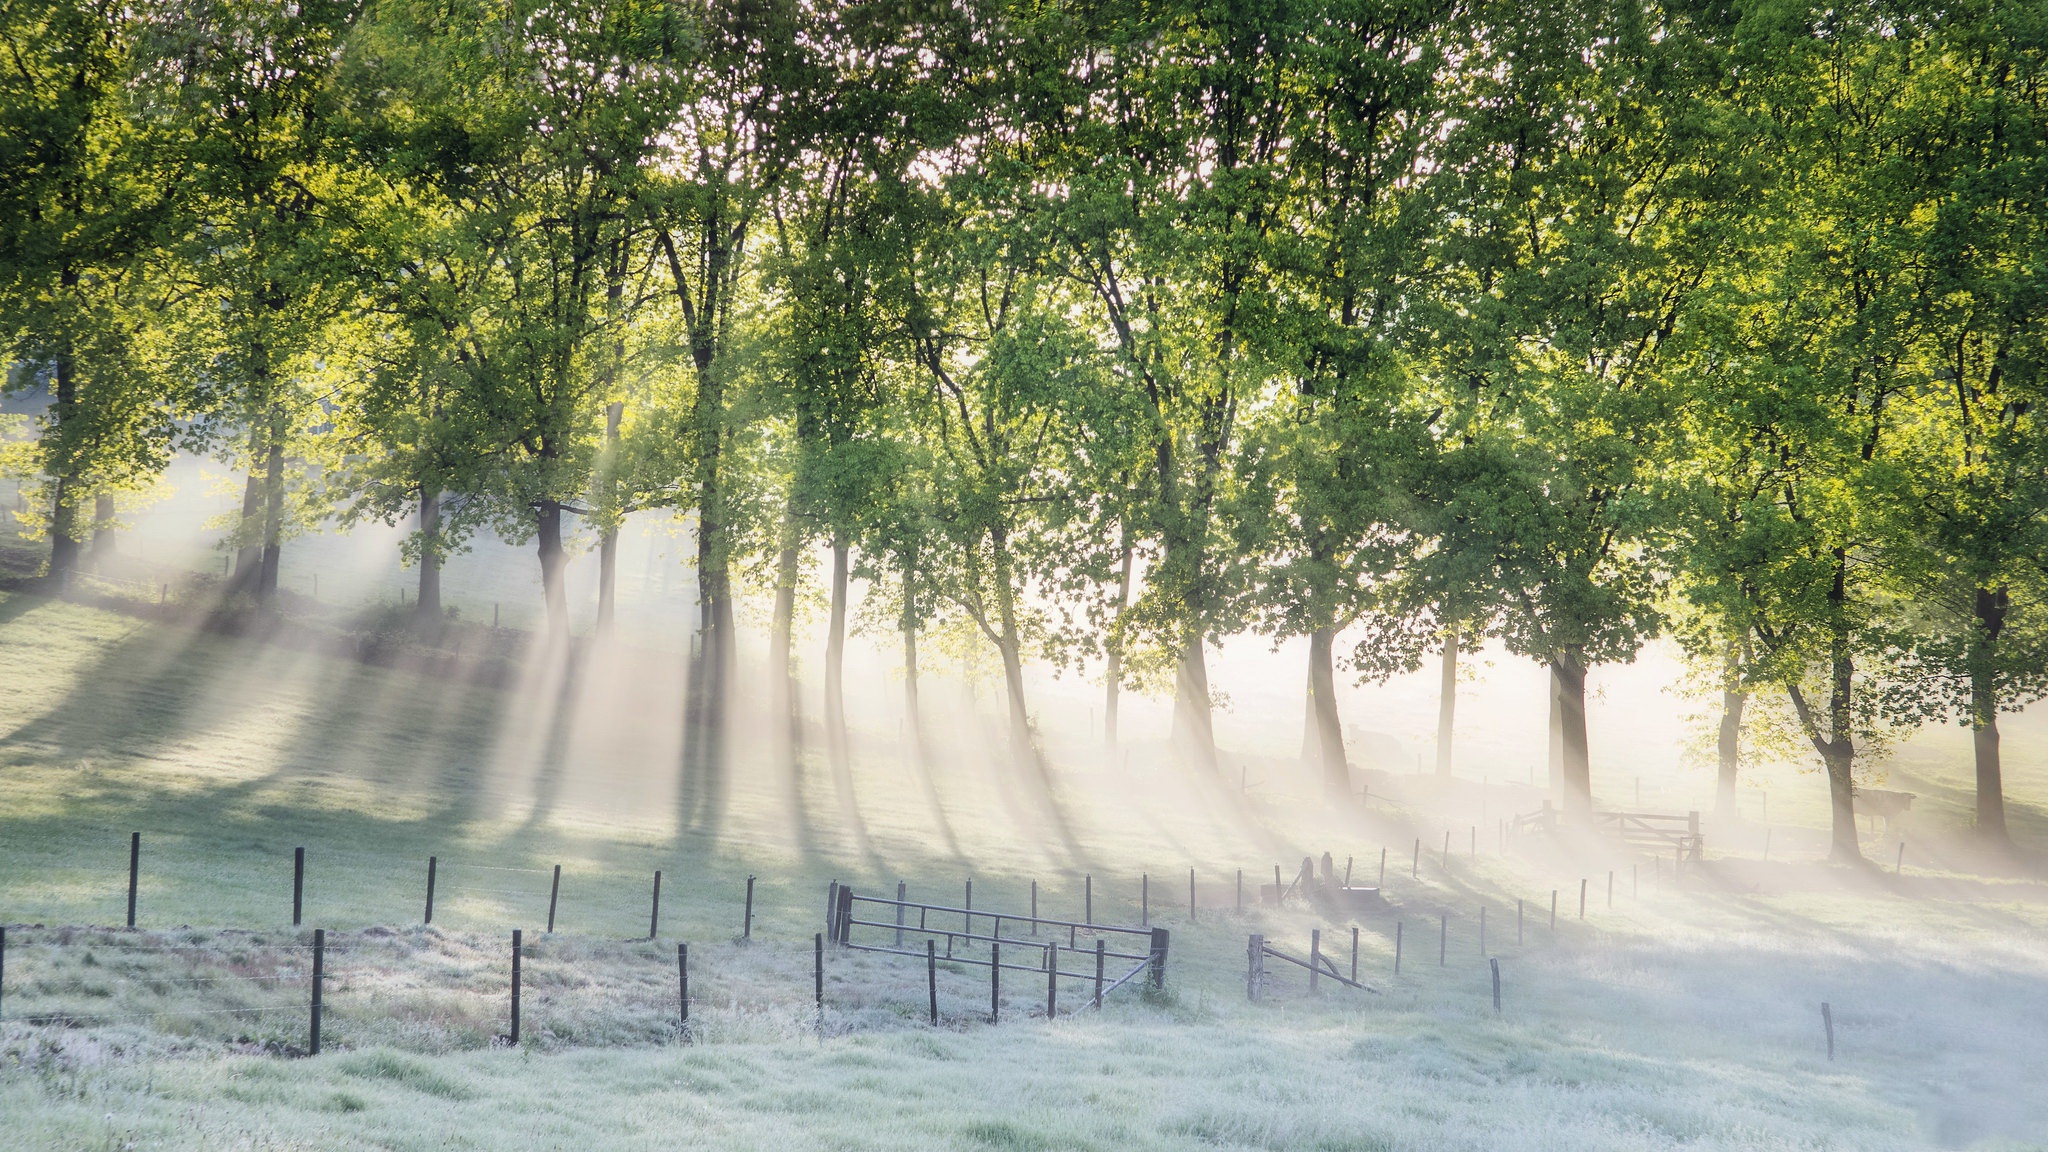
1104, 331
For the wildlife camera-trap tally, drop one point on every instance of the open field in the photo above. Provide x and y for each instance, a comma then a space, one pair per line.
1686, 1015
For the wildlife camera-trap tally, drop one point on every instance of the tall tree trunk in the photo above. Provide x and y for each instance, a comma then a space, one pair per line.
1113, 673
554, 563
1990, 609
273, 513
428, 610
1323, 707
608, 544
103, 534
1836, 747
1569, 670
1009, 646
64, 534
1555, 732
782, 693
908, 625
1193, 725
1729, 744
835, 657
1447, 702
249, 547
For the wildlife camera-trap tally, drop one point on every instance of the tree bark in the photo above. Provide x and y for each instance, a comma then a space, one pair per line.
1556, 733
835, 657
1837, 749
428, 610
1193, 725
554, 562
1728, 745
908, 625
1113, 673
1575, 764
1447, 702
273, 513
103, 533
1990, 609
1009, 645
64, 535
1323, 708
783, 678
249, 549
608, 544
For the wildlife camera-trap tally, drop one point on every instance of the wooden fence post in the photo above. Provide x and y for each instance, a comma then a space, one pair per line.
319, 970
995, 981
1383, 866
654, 915
134, 872
683, 989
1397, 947
845, 918
901, 890
818, 975
1099, 958
1315, 958
747, 922
832, 911
1088, 899
1354, 953
516, 941
554, 890
298, 882
1052, 980
931, 976
1159, 943
967, 921
1034, 907
1496, 986
1254, 965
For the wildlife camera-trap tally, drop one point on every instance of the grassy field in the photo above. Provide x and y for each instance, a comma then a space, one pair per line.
1686, 1014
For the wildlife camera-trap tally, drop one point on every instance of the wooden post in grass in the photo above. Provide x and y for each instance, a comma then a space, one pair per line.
516, 941
683, 990
995, 982
1034, 907
747, 921
1397, 947
1447, 852
1383, 866
1315, 958
298, 882
134, 872
818, 975
1443, 938
1100, 956
654, 915
1088, 899
319, 970
431, 862
1496, 985
1052, 981
554, 890
1827, 1021
902, 889
832, 911
1254, 965
1354, 953
931, 977
845, 917
1158, 976
967, 921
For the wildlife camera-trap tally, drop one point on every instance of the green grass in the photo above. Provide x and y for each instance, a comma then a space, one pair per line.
1683, 1017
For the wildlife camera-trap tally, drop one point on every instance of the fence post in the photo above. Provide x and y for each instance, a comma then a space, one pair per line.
1279, 893
1496, 985
1347, 871
901, 891
832, 911
995, 982
298, 882
431, 862
967, 921
516, 941
683, 989
1447, 851
1099, 957
931, 976
134, 871
554, 890
1159, 943
1354, 954
654, 915
1052, 980
1415, 865
1397, 947
1383, 866
818, 974
1315, 958
1034, 907
319, 970
845, 915
747, 923
3, 965
1254, 965
1088, 900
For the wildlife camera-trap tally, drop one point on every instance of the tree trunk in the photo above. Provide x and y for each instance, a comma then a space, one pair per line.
1447, 702
608, 544
554, 563
64, 534
273, 514
1836, 746
103, 534
1556, 734
1008, 645
908, 625
249, 548
1113, 674
1193, 725
1323, 708
835, 657
782, 693
1991, 608
1729, 744
1575, 765
429, 608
